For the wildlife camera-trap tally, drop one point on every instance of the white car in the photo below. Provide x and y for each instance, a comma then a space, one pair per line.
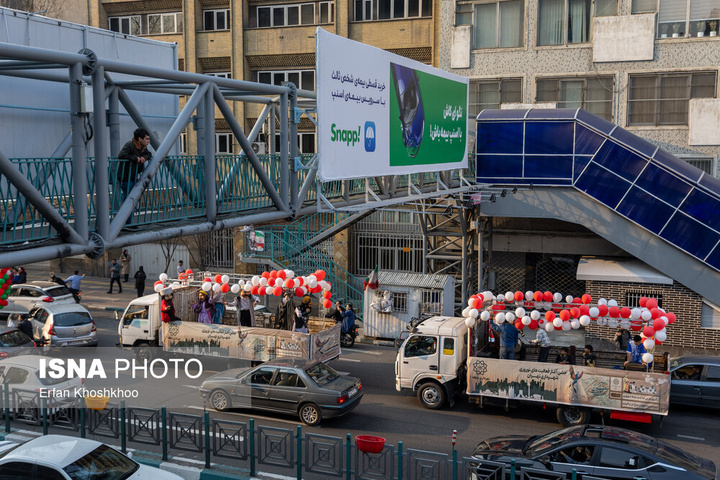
64, 325
23, 297
69, 458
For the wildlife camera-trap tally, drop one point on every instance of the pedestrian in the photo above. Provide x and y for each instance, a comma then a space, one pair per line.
22, 275
205, 308
285, 313
140, 278
542, 339
180, 268
245, 304
115, 276
74, 286
125, 264
348, 321
167, 307
302, 315
134, 155
508, 339
588, 356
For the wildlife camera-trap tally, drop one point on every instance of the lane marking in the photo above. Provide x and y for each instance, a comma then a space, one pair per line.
349, 360
245, 415
363, 352
691, 438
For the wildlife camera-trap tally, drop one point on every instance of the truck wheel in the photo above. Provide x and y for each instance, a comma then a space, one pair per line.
310, 414
570, 416
143, 352
219, 400
431, 395
347, 340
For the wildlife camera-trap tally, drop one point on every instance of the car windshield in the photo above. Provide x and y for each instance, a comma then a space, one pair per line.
321, 374
71, 319
58, 291
538, 445
102, 463
14, 338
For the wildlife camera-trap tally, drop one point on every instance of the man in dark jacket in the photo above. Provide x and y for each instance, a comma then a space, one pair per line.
133, 156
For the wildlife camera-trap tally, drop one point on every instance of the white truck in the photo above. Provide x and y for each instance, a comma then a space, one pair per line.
141, 327
442, 357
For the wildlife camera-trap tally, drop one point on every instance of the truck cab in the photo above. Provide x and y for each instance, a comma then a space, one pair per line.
432, 359
140, 321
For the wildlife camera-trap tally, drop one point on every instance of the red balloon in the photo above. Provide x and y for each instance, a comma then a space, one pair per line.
265, 274
480, 298
207, 279
564, 315
558, 328
224, 288
648, 331
655, 313
281, 274
254, 290
476, 303
327, 294
651, 303
614, 312
299, 292
556, 307
317, 289
584, 310
549, 316
273, 274
658, 324
586, 298
575, 312
302, 281
538, 296
182, 276
327, 303
519, 296
4, 303
635, 326
262, 291
159, 282
625, 312
577, 301
603, 309
671, 317
277, 291
548, 296
499, 307
533, 325
642, 302
189, 271
218, 278
289, 283
320, 275
519, 324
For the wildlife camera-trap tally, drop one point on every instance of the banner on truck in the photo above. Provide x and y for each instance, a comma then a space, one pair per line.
569, 384
384, 114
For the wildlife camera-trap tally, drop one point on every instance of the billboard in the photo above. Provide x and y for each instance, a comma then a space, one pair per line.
383, 114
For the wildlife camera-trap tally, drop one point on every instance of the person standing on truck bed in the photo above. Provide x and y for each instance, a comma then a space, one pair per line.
204, 308
285, 313
508, 339
588, 356
543, 340
245, 304
167, 308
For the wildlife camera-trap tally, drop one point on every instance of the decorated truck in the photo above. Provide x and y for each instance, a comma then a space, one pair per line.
141, 327
444, 356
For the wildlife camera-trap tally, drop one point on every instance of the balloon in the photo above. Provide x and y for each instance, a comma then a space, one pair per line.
635, 326
519, 296
225, 279
485, 315
647, 357
289, 283
289, 274
163, 277
158, 282
602, 321
549, 316
648, 331
182, 277
575, 324
655, 313
614, 311
557, 297
612, 303
499, 317
217, 278
533, 325
262, 290
224, 288
564, 315
279, 282
320, 274
255, 280
466, 312
549, 327
575, 312
603, 309
281, 274
520, 312
557, 322
311, 282
510, 317
471, 301
568, 299
316, 289
470, 322
649, 343
265, 275
643, 302
646, 315
158, 287
671, 317
255, 290
327, 294
661, 335
509, 296
651, 303
548, 296
584, 320
519, 325
529, 295
327, 303
299, 292
263, 281
624, 323
538, 296
535, 315
206, 286
625, 312
216, 288
566, 326
526, 320
594, 312
586, 299
658, 324
247, 287
612, 322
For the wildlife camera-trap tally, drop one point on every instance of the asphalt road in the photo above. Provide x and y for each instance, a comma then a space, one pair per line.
394, 416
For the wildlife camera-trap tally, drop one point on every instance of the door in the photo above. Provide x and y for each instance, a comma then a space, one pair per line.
686, 385
39, 318
711, 387
617, 463
253, 390
578, 457
136, 324
287, 391
419, 357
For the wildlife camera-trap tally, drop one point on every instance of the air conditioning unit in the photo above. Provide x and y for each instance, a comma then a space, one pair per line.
260, 148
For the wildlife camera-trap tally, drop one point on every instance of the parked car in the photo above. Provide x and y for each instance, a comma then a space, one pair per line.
309, 389
596, 451
14, 342
64, 325
71, 458
695, 380
23, 297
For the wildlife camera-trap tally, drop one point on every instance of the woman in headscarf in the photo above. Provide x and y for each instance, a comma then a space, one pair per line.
205, 308
285, 312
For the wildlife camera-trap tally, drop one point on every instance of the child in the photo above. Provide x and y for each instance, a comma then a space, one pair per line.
563, 357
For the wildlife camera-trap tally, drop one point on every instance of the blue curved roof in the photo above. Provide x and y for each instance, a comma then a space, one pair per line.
635, 178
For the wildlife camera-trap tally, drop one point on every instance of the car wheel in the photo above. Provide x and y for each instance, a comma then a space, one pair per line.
310, 414
346, 340
572, 416
219, 400
431, 395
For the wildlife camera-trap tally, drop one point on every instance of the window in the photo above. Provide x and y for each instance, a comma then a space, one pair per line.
306, 142
644, 6
366, 10
216, 19
220, 74
223, 143
262, 376
493, 93
15, 375
448, 346
183, 143
703, 163
297, 14
688, 17
594, 94
632, 299
710, 317
663, 99
421, 345
564, 21
614, 458
400, 302
159, 23
286, 378
606, 8
128, 25
326, 13
713, 373
497, 25
431, 302
303, 79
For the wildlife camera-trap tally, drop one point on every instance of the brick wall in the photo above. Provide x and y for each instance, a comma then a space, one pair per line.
686, 332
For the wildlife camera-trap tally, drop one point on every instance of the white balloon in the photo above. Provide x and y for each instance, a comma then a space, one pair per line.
526, 320
602, 321
519, 312
635, 313
296, 282
242, 282
263, 282
225, 279
612, 322
510, 317
594, 312
216, 288
574, 323
649, 344
289, 274
584, 320
235, 288
207, 286
557, 322
569, 299
612, 303
557, 297
485, 315
646, 315
473, 313
661, 335
625, 323
159, 287
466, 312
311, 281
647, 357
547, 305
500, 317
163, 277
470, 302
529, 295
470, 322
535, 315
256, 280
324, 285
247, 287
176, 283
549, 327
664, 319
566, 326
509, 296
